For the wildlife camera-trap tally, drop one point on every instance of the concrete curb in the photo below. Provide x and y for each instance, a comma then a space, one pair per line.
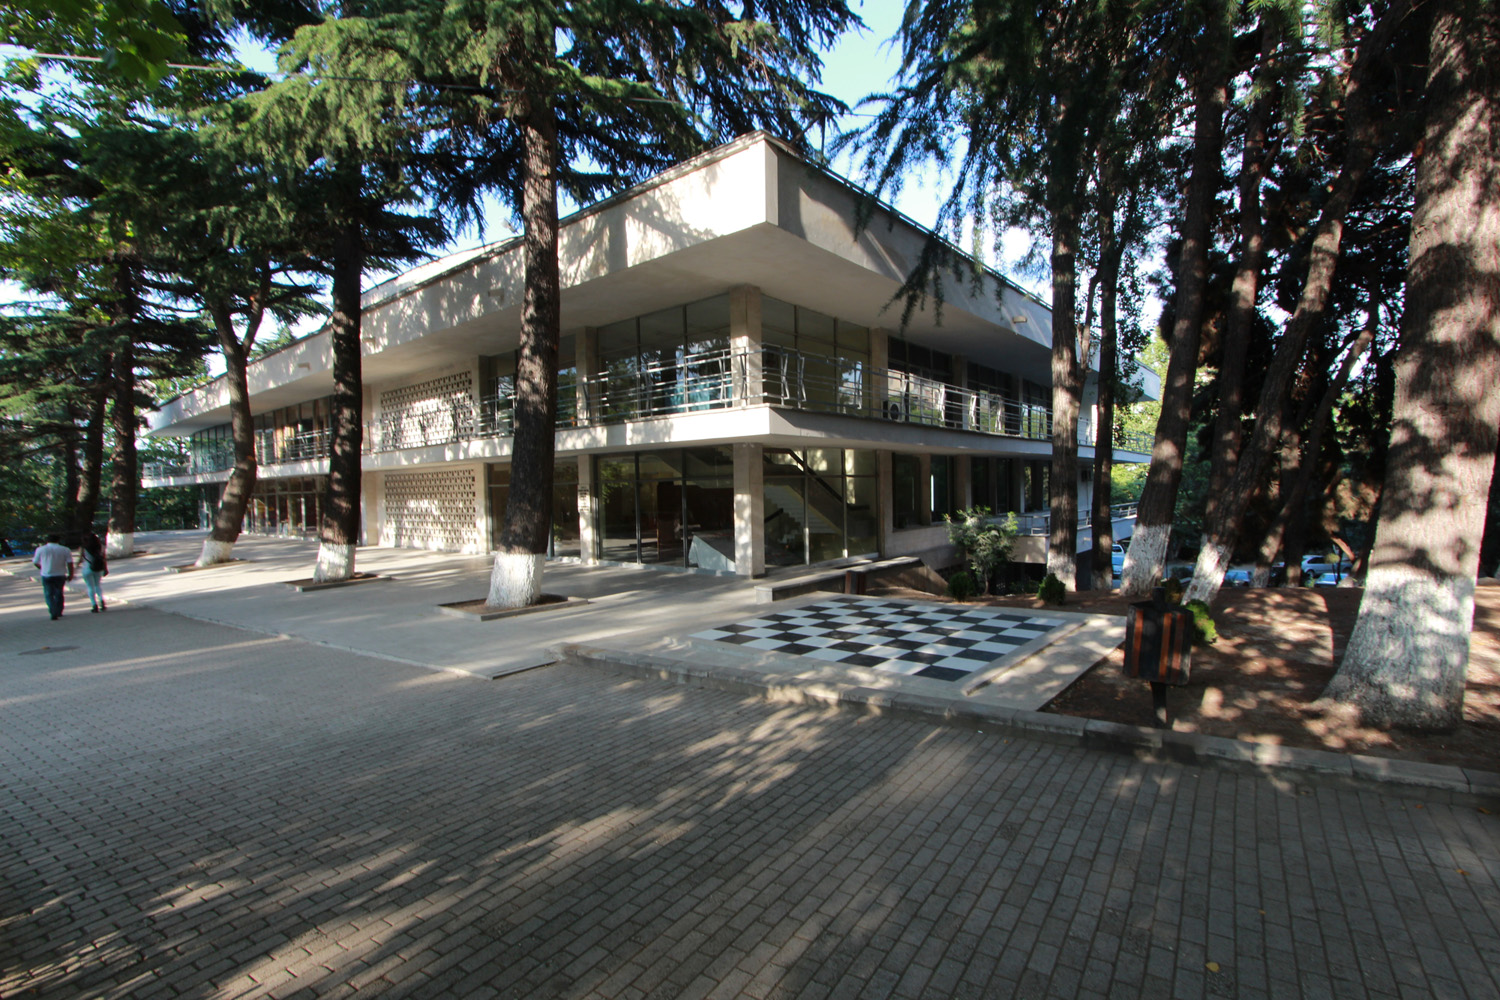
1407, 779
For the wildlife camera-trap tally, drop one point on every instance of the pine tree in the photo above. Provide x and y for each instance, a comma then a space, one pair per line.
587, 97
1407, 657
1031, 95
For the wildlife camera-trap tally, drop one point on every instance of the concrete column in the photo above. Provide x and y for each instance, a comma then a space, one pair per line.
1017, 498
588, 512
924, 489
880, 363
885, 491
371, 509
749, 510
481, 509
745, 342
586, 355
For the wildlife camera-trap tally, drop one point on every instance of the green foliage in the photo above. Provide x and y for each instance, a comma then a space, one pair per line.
1205, 632
961, 585
1051, 590
985, 544
1172, 590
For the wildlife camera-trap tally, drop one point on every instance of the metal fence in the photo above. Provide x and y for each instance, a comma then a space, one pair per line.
692, 383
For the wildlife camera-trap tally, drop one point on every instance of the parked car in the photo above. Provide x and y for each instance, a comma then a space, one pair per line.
1117, 558
1328, 579
1237, 578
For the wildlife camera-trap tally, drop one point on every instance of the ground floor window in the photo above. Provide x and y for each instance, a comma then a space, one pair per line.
291, 506
820, 504
563, 538
672, 507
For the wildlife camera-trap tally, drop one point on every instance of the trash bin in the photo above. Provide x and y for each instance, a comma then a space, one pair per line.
1158, 648
1158, 641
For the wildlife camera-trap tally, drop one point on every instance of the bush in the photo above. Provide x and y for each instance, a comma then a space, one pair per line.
961, 586
984, 543
1052, 590
1173, 590
1205, 632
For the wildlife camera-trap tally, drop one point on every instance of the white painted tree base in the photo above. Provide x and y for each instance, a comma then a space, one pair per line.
120, 543
1208, 574
215, 553
1145, 560
1409, 653
1064, 568
335, 562
516, 580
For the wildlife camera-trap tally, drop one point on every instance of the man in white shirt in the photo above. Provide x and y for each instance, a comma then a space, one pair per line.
54, 562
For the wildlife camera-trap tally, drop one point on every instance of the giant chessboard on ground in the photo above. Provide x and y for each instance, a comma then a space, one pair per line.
946, 642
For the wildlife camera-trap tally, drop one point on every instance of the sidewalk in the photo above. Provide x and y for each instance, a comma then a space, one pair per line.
641, 612
651, 623
193, 810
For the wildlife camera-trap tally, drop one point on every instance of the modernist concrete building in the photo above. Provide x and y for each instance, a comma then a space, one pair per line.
737, 391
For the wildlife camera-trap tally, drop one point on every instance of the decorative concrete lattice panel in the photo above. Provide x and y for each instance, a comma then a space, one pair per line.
433, 510
437, 411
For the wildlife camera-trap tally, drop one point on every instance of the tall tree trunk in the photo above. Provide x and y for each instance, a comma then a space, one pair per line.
1245, 290
1408, 654
92, 473
1222, 526
1062, 539
218, 547
1101, 523
516, 579
339, 530
124, 477
1146, 559
72, 484
1294, 500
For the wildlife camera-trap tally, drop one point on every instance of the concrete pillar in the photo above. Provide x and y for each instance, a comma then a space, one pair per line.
371, 508
963, 483
586, 357
1017, 498
924, 489
749, 510
885, 491
745, 342
588, 512
481, 509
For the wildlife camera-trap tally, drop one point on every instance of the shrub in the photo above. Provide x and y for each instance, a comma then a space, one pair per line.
1205, 632
984, 543
1173, 588
961, 586
1052, 590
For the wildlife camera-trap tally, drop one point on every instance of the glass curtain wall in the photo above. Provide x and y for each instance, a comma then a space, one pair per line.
671, 361
291, 506
812, 360
563, 539
820, 505
673, 507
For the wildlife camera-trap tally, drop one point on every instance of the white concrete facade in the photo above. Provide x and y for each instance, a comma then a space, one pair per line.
736, 381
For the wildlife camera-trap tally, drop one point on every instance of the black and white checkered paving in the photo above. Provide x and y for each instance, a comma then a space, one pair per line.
942, 641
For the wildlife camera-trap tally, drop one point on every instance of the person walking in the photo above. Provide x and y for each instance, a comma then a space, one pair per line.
94, 568
54, 564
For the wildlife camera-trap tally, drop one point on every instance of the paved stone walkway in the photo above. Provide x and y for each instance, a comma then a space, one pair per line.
190, 810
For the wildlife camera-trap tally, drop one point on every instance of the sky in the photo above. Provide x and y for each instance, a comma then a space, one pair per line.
859, 64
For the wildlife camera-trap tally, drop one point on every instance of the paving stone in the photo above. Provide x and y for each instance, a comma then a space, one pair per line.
192, 810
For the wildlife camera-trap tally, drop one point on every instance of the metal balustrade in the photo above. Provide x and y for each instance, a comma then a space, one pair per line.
710, 380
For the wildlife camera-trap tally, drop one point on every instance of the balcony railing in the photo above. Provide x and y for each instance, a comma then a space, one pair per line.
1040, 522
693, 383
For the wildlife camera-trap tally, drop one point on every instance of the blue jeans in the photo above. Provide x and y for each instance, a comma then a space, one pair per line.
91, 583
52, 589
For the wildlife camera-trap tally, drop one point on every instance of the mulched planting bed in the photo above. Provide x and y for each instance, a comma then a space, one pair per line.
1277, 649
